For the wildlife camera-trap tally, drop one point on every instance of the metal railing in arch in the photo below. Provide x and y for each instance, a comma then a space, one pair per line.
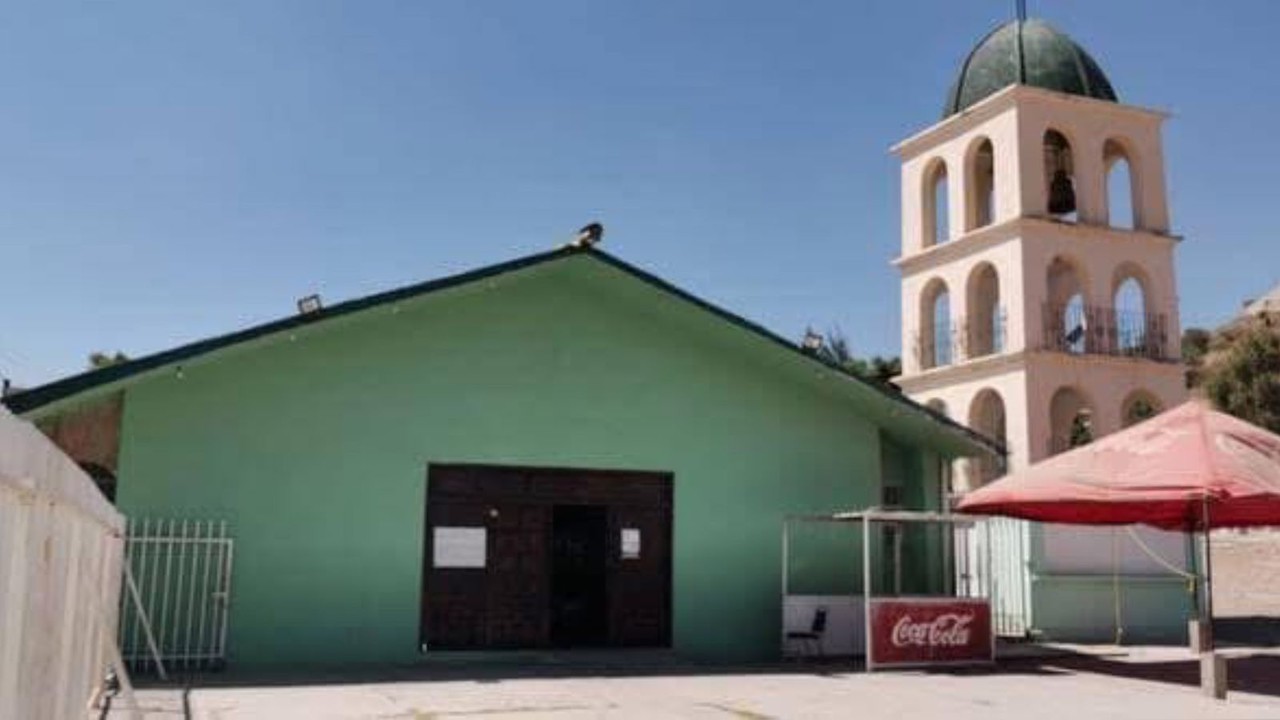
175, 615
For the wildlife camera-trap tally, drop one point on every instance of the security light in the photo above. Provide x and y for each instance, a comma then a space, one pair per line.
309, 304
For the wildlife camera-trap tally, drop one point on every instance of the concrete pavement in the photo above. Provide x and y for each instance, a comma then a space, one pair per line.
1128, 683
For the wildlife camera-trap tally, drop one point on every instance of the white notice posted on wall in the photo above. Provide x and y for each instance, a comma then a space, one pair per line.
458, 547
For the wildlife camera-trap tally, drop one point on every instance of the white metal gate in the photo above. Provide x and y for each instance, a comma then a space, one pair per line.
182, 577
994, 560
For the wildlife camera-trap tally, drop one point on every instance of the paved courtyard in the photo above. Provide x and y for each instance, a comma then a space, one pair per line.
1133, 683
1129, 683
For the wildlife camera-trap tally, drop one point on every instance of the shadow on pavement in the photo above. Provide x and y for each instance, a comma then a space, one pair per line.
555, 667
1251, 631
1251, 673
550, 666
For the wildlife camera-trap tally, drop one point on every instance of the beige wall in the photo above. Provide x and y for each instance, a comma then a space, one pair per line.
958, 394
1103, 258
1088, 124
1106, 383
1015, 121
1021, 243
1003, 254
953, 144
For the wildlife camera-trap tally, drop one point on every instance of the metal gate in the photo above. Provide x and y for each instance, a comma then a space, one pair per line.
994, 560
181, 572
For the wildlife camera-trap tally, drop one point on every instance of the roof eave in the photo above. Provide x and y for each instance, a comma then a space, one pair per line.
50, 398
38, 401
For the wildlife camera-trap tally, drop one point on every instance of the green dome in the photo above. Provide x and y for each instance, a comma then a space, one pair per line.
1027, 52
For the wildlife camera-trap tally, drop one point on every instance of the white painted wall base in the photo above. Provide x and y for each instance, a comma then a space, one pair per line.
1082, 608
844, 635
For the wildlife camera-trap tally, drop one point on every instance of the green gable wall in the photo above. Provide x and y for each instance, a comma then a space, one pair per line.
315, 447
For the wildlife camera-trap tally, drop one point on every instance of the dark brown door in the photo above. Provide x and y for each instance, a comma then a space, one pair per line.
640, 577
492, 582
518, 582
453, 620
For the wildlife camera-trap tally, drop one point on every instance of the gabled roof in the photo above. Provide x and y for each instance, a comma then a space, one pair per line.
116, 377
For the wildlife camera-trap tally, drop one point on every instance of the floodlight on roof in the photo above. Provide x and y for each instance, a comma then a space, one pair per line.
309, 304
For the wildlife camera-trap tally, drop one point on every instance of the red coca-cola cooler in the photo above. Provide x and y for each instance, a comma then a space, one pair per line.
922, 631
893, 630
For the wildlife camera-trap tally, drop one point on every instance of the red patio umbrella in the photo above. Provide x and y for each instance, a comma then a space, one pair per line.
1188, 469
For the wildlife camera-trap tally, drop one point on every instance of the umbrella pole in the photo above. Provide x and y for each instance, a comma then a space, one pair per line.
1208, 575
1213, 667
1193, 555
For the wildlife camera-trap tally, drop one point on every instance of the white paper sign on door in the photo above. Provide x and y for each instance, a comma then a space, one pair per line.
458, 547
630, 543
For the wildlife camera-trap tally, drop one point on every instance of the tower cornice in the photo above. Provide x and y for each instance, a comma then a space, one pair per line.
1025, 228
1007, 99
989, 366
967, 370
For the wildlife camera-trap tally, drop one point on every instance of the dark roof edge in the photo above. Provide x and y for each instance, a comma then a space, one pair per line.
35, 398
883, 391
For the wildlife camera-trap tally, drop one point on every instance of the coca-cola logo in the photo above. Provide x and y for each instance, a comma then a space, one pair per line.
946, 630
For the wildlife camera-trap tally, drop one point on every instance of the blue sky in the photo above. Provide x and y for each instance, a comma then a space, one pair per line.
173, 170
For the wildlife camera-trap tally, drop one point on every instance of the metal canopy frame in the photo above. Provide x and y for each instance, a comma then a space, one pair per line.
869, 517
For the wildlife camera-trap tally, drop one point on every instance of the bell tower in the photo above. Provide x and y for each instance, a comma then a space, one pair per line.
1039, 304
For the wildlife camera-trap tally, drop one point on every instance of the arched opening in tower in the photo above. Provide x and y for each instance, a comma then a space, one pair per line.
981, 182
1059, 175
1122, 186
987, 416
936, 220
1070, 420
935, 325
1129, 303
985, 324
1138, 406
1066, 317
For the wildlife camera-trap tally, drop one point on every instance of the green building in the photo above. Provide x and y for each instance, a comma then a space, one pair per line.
559, 450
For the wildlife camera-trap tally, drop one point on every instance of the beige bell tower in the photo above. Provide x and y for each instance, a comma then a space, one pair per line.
1038, 297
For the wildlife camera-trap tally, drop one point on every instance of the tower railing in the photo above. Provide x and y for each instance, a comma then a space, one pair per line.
1058, 444
938, 348
1080, 329
964, 338
983, 334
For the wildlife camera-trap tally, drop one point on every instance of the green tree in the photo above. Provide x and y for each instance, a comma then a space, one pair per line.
1195, 346
1140, 410
834, 349
880, 368
101, 359
1081, 430
1242, 377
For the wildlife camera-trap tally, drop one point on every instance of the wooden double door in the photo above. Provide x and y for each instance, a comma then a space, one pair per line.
520, 557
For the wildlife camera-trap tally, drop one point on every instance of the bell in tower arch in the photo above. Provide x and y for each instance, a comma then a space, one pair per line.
1062, 194
1058, 171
